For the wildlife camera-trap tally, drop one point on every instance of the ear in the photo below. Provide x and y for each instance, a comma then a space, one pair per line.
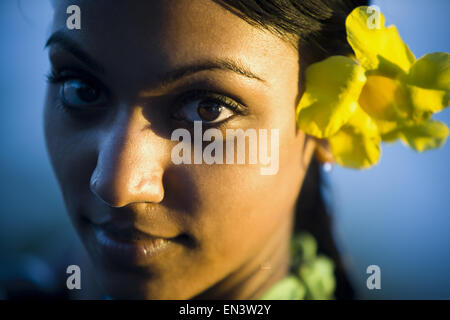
323, 151
318, 148
309, 147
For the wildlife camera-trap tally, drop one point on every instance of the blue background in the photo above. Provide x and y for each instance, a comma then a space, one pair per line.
395, 215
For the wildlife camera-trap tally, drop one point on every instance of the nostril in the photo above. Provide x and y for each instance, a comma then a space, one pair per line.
94, 190
101, 194
129, 190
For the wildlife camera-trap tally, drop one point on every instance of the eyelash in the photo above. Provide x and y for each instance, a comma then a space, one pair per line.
54, 77
59, 77
195, 95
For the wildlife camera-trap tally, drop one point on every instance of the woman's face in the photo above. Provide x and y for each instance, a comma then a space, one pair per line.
120, 86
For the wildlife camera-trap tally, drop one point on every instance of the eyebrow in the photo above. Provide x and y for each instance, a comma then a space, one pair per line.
59, 38
220, 64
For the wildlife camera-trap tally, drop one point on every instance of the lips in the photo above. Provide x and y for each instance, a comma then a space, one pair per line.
129, 234
129, 246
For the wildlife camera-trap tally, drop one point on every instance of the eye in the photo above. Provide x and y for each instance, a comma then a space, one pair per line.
209, 108
204, 110
76, 93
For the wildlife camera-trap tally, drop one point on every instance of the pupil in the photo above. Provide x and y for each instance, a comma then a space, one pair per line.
87, 94
209, 111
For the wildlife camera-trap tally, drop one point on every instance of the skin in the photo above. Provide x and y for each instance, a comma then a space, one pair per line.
116, 166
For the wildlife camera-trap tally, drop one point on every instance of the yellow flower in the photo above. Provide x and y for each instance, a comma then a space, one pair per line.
357, 144
331, 97
384, 94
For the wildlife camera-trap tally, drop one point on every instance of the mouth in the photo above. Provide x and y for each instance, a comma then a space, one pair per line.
131, 247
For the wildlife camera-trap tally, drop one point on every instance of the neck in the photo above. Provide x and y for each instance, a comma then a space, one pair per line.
259, 272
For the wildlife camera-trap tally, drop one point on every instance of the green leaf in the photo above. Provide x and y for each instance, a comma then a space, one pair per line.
318, 277
289, 288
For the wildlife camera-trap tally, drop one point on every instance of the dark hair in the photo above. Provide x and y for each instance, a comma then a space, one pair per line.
317, 30
312, 215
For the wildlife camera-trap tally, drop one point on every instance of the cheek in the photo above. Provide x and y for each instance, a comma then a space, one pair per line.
239, 208
71, 153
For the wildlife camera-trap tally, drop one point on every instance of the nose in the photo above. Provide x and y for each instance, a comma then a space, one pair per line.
129, 163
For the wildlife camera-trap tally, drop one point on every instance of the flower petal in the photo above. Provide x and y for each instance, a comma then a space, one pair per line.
392, 100
357, 144
424, 136
384, 98
432, 71
386, 127
423, 100
377, 47
332, 89
429, 82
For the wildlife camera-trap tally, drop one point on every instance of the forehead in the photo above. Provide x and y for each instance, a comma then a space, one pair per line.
162, 34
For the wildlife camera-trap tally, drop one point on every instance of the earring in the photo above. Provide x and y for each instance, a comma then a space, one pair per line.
327, 166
